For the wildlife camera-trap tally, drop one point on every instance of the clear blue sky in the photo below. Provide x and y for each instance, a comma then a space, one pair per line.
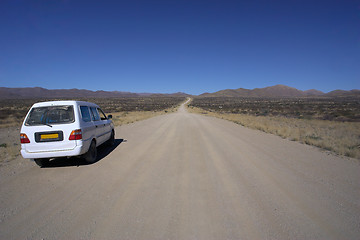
182, 45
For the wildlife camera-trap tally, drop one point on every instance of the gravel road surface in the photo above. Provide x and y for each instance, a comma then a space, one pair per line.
185, 176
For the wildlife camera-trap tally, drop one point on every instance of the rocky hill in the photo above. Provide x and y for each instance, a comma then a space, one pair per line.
38, 92
280, 91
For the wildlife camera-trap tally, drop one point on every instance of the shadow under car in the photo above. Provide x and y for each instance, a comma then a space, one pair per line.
102, 151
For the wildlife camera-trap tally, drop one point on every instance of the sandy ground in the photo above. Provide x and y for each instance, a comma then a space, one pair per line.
185, 176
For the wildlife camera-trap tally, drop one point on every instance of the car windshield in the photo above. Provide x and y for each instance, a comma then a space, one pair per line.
50, 115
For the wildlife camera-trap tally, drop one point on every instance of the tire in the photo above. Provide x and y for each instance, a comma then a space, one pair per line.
91, 155
111, 140
42, 162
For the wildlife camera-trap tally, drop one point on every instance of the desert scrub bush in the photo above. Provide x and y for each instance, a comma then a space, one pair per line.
121, 118
137, 103
13, 111
336, 109
342, 138
9, 144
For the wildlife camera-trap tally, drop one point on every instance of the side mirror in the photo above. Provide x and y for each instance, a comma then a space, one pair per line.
110, 116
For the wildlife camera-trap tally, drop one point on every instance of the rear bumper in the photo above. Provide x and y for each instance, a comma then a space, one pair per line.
78, 150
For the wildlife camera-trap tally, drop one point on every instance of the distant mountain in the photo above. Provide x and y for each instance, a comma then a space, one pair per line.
37, 92
178, 94
280, 91
267, 92
273, 91
343, 93
313, 92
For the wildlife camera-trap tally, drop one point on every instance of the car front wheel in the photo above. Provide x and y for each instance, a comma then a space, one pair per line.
111, 140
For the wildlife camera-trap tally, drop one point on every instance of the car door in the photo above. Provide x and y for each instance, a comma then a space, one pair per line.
107, 124
99, 126
87, 126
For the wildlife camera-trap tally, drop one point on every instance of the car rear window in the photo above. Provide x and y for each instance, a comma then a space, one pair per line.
50, 115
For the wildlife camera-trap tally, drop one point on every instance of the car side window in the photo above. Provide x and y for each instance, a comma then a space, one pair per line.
85, 113
102, 114
95, 114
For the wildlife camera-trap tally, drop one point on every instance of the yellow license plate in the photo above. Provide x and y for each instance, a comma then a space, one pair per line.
50, 136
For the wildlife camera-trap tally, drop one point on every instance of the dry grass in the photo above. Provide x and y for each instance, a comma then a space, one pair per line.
334, 109
13, 111
342, 138
10, 122
121, 118
9, 144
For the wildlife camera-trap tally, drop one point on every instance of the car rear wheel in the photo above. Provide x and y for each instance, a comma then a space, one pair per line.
90, 156
42, 162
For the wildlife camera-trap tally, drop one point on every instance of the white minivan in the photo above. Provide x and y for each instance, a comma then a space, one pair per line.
64, 129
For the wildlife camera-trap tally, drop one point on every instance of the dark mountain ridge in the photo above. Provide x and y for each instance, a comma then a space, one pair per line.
280, 91
38, 92
267, 92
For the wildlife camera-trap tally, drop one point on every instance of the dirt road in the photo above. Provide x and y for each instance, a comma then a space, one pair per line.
185, 176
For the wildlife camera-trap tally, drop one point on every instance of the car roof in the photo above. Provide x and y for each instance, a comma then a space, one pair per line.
64, 102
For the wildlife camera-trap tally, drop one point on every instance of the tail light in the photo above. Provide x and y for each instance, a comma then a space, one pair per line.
76, 135
24, 138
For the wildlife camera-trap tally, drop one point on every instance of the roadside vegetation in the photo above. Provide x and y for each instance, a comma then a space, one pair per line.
13, 111
330, 124
124, 111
